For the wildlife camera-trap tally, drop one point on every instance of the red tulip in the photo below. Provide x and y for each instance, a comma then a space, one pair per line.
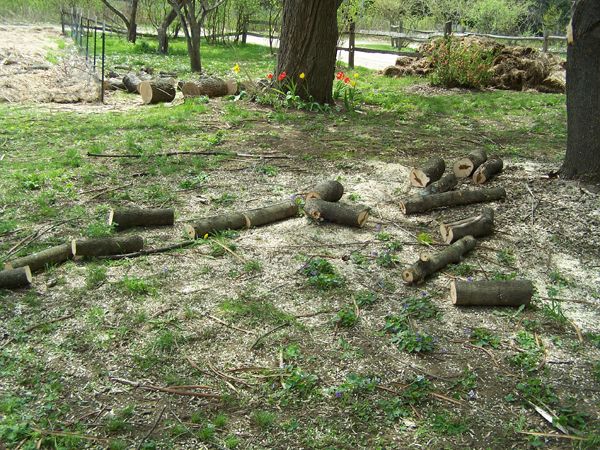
282, 76
270, 76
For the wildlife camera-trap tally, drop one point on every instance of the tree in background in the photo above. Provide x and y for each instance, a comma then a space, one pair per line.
129, 17
161, 15
498, 16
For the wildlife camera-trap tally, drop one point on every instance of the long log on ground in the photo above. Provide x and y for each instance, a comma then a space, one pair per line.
465, 167
429, 264
157, 91
429, 172
330, 191
211, 87
444, 184
132, 83
422, 203
124, 218
477, 226
190, 153
39, 261
114, 84
15, 278
487, 170
238, 221
491, 293
107, 246
352, 216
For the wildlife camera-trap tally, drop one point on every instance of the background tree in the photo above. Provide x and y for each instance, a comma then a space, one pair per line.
583, 93
161, 15
307, 45
129, 17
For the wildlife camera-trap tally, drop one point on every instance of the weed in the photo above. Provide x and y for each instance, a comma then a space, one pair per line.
231, 441
413, 342
559, 279
484, 338
554, 312
424, 239
268, 170
394, 409
596, 371
462, 270
529, 355
95, 276
252, 266
355, 385
194, 182
365, 298
226, 199
346, 318
206, 433
448, 424
418, 308
321, 274
353, 197
500, 276
137, 286
417, 390
300, 382
388, 259
99, 229
291, 352
383, 236
255, 310
263, 419
359, 259
594, 338
506, 256
535, 390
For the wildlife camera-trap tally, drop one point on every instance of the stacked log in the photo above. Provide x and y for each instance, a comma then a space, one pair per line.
429, 172
488, 170
465, 167
330, 191
157, 91
132, 83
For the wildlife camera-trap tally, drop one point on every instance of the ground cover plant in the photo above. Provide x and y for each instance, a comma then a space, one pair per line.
303, 334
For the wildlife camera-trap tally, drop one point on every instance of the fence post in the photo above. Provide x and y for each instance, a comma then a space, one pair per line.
103, 60
448, 28
95, 37
546, 35
351, 45
245, 31
87, 40
62, 22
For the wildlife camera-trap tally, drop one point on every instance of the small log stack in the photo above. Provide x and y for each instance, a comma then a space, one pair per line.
211, 87
132, 83
429, 264
157, 91
491, 293
444, 184
465, 167
352, 216
422, 203
488, 170
106, 246
330, 191
238, 221
429, 172
478, 226
15, 278
38, 261
125, 218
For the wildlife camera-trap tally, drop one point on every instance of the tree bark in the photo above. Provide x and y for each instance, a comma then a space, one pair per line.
308, 41
465, 167
429, 172
39, 261
129, 21
421, 203
15, 278
141, 217
478, 226
491, 293
429, 264
157, 91
351, 216
444, 184
163, 32
583, 93
488, 170
211, 87
107, 246
132, 83
330, 191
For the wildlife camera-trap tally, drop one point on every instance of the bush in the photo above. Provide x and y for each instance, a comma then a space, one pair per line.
461, 63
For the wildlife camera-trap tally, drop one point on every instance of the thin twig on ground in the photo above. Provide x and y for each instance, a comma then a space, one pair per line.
260, 338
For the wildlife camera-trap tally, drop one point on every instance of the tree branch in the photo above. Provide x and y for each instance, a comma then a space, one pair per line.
117, 12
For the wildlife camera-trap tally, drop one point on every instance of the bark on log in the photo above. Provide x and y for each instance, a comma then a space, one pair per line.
107, 246
114, 84
132, 83
444, 184
238, 221
157, 91
431, 171
478, 226
352, 216
211, 87
39, 261
429, 264
465, 167
138, 217
487, 170
422, 203
330, 191
491, 293
15, 278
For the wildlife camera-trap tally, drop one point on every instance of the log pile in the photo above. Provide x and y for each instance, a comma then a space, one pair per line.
429, 172
465, 167
210, 87
351, 216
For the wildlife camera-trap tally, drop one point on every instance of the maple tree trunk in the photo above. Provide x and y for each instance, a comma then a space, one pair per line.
132, 28
308, 44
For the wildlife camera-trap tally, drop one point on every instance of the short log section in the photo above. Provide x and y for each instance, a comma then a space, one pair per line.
444, 184
491, 293
465, 167
15, 278
238, 221
157, 91
330, 191
477, 226
431, 171
351, 216
114, 84
39, 261
106, 246
125, 218
132, 83
488, 170
421, 203
211, 87
430, 264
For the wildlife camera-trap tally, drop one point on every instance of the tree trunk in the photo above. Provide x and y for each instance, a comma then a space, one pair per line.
163, 30
132, 28
308, 43
583, 93
194, 50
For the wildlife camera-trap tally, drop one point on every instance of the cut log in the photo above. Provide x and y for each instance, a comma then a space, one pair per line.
211, 87
444, 184
491, 293
465, 167
137, 217
238, 221
39, 261
422, 203
132, 83
431, 171
429, 264
478, 226
330, 191
15, 278
106, 246
352, 216
157, 91
487, 170
114, 84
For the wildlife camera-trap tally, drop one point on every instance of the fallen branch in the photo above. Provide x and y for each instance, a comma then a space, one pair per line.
422, 203
222, 322
48, 322
268, 333
553, 435
151, 251
167, 390
156, 422
206, 153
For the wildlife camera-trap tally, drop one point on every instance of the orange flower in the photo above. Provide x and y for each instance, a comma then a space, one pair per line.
270, 76
346, 80
282, 76
340, 75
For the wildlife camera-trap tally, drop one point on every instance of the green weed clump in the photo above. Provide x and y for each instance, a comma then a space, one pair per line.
322, 274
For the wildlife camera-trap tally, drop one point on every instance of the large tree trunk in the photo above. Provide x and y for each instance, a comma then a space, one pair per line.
132, 28
194, 48
583, 93
308, 43
163, 32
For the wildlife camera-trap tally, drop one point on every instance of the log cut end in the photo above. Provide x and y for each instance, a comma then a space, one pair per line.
408, 276
191, 231
330, 191
363, 216
28, 276
446, 233
463, 168
453, 296
111, 216
418, 178
158, 91
74, 247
